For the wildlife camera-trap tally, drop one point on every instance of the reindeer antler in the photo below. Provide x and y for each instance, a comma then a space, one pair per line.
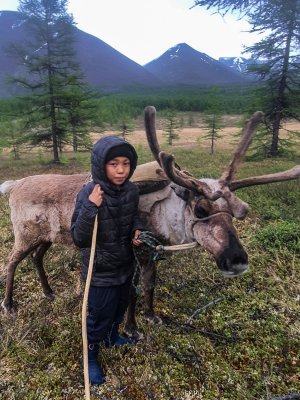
287, 175
228, 175
249, 132
166, 161
184, 179
149, 117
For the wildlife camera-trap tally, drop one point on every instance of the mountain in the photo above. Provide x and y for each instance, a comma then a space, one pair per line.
103, 66
241, 64
108, 70
184, 65
236, 63
8, 23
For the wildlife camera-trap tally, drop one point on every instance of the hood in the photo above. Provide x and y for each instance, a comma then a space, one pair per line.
100, 150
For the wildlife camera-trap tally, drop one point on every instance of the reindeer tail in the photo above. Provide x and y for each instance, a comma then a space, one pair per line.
7, 186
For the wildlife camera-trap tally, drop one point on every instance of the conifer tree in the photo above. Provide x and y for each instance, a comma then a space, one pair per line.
213, 118
171, 125
48, 58
276, 56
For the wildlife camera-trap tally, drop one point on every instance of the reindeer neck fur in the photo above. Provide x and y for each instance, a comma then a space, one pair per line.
164, 213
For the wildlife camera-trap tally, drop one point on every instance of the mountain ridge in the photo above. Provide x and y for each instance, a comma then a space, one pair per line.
103, 66
173, 64
108, 70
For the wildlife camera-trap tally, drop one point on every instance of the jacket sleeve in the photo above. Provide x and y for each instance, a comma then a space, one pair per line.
83, 218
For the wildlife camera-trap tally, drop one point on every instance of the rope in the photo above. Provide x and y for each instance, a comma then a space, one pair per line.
213, 215
147, 248
150, 246
84, 312
156, 248
176, 247
155, 251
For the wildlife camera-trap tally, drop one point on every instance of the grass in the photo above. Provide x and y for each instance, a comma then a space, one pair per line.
220, 339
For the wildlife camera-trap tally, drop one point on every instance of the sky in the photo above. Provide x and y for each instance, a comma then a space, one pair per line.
144, 29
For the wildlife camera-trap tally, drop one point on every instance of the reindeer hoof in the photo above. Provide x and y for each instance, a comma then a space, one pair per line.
7, 308
134, 334
50, 296
154, 319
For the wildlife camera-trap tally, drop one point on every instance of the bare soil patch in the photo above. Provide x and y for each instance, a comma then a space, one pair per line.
190, 135
196, 135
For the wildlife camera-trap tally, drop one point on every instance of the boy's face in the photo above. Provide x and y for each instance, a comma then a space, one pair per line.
117, 170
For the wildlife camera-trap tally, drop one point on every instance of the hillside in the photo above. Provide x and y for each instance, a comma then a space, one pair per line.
103, 66
108, 70
184, 65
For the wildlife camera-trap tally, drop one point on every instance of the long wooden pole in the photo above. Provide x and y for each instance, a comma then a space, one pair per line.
84, 312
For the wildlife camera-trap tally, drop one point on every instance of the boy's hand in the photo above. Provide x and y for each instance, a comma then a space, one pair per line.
135, 240
96, 196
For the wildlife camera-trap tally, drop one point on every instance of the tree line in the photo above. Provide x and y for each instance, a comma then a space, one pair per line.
116, 112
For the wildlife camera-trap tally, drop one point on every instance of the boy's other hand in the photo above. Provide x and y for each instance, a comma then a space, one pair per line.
135, 240
96, 196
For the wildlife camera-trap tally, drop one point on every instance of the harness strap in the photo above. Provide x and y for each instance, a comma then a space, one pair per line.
214, 215
194, 221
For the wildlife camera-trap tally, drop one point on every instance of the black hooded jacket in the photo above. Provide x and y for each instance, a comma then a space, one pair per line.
117, 220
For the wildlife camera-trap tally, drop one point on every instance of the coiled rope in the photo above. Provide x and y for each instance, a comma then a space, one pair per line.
151, 246
154, 250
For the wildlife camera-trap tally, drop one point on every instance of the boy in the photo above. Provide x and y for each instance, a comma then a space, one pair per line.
115, 199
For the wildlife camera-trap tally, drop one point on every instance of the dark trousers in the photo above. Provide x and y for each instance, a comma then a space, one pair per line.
106, 310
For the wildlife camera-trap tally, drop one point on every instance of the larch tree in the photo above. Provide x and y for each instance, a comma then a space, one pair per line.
171, 125
213, 117
80, 113
125, 128
275, 57
48, 59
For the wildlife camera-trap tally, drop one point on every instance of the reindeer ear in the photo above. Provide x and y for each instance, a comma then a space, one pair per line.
182, 192
238, 207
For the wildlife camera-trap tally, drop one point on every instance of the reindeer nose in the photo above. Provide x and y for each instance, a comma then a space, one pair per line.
235, 269
233, 261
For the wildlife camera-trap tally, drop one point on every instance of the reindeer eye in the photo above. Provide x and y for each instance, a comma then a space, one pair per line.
200, 212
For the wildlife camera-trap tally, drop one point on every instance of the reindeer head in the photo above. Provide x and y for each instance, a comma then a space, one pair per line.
211, 203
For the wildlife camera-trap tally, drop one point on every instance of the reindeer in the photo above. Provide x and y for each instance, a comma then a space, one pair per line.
184, 210
199, 210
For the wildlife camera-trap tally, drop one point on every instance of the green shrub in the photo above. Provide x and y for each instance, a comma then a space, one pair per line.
279, 235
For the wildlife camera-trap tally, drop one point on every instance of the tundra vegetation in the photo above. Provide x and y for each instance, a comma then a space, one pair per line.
108, 112
220, 339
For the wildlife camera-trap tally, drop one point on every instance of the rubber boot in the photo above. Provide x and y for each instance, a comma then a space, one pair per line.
116, 340
96, 374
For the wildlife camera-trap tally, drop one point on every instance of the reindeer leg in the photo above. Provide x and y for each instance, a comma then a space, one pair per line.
130, 325
37, 258
15, 257
148, 283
